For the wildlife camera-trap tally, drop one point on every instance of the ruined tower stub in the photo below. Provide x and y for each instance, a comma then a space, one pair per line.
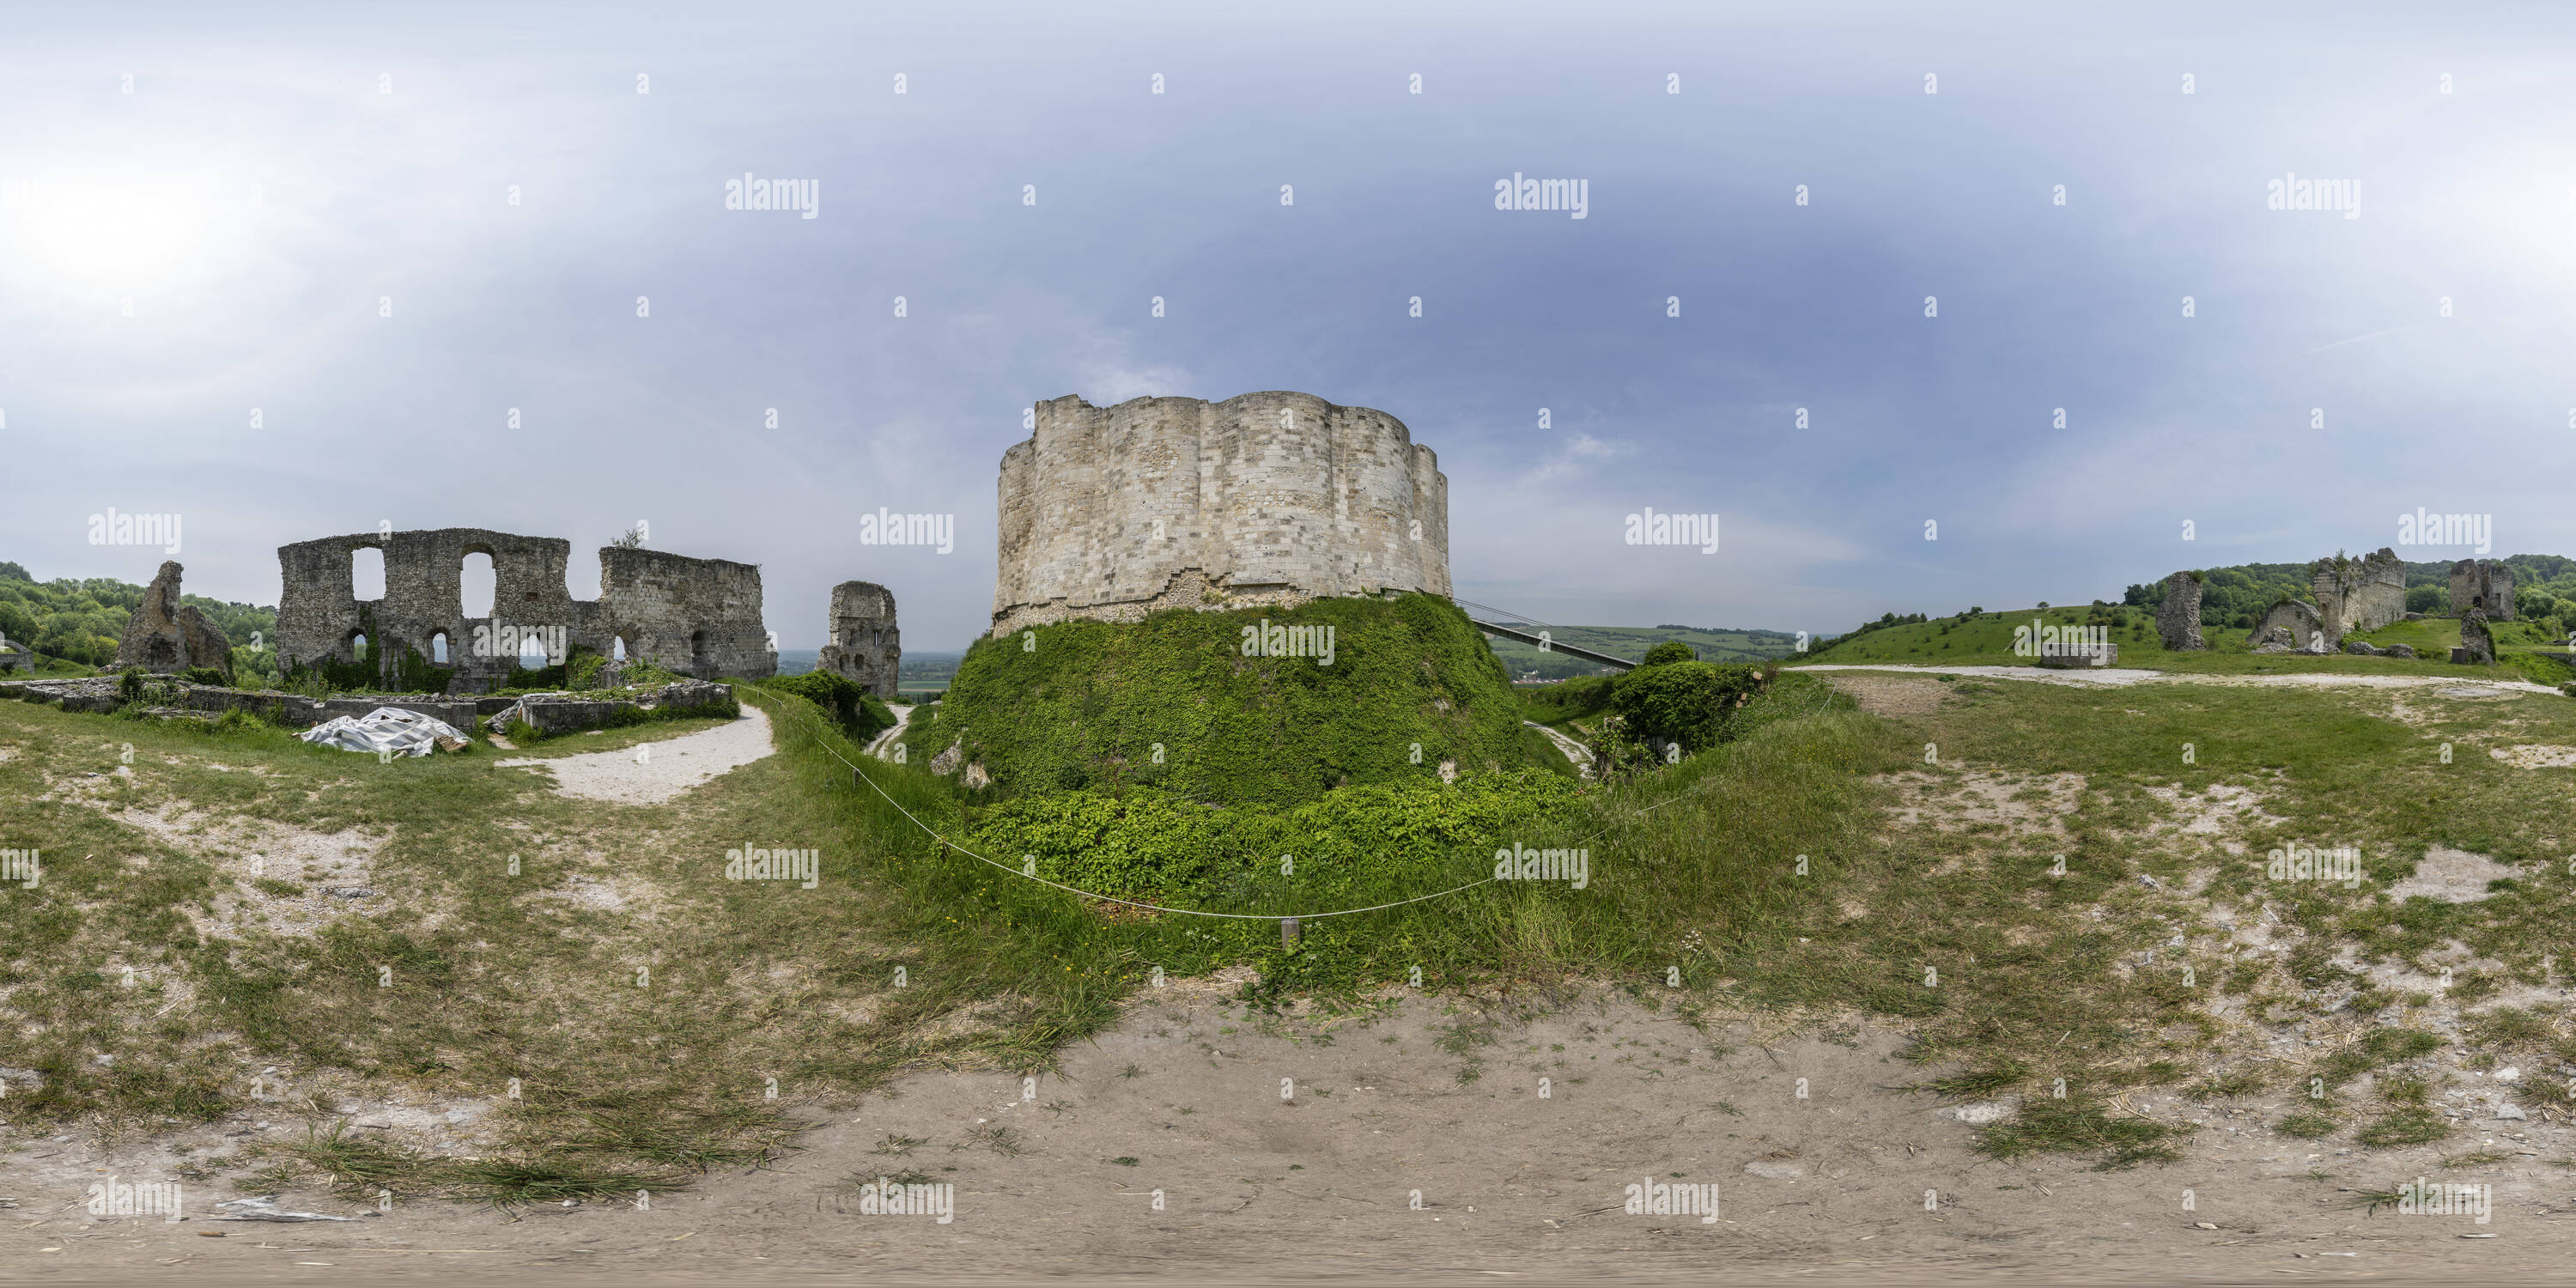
865, 646
2178, 618
699, 617
2485, 584
165, 635
1268, 498
2359, 594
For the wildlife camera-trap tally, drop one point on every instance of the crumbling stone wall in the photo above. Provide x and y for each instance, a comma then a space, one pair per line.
2483, 584
2291, 626
699, 617
865, 646
2477, 644
2178, 618
165, 635
1268, 498
2358, 594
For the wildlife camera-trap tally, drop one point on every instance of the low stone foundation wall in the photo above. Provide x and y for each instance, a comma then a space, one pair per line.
550, 713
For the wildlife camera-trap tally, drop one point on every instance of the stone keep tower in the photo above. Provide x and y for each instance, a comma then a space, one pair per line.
2482, 583
865, 645
1269, 498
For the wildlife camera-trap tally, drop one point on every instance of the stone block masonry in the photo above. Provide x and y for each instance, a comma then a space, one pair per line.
1265, 499
2358, 594
165, 635
698, 617
2178, 617
2482, 584
865, 647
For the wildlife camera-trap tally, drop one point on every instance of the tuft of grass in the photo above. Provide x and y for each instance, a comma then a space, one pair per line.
2306, 1125
2407, 1125
2080, 1126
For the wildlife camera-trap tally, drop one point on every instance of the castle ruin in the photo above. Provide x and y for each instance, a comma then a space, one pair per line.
864, 646
1265, 499
2358, 594
2178, 617
165, 636
697, 617
2483, 584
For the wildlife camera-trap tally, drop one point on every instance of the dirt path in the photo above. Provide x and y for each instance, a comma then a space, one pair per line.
1183, 1100
2116, 677
882, 746
667, 769
1574, 751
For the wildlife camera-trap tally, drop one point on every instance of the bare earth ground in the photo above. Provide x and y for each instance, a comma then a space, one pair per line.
1184, 1097
674, 766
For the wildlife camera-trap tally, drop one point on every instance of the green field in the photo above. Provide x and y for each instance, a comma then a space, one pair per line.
1631, 642
1986, 639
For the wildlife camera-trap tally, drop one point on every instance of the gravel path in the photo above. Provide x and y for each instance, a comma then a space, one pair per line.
882, 746
2117, 676
672, 767
1574, 751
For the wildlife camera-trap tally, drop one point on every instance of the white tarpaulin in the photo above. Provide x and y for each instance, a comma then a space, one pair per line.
404, 733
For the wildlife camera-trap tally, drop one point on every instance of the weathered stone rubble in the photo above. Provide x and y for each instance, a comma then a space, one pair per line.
165, 635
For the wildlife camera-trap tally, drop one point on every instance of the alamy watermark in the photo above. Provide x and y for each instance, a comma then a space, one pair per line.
886, 1196
2044, 639
1271, 639
506, 640
2301, 863
1521, 863
114, 529
2476, 531
802, 866
885, 528
1652, 529
1519, 193
2295, 193
803, 196
23, 866
1652, 1197
2420, 1197
113, 1197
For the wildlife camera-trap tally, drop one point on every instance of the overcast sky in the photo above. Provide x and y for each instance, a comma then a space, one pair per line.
204, 214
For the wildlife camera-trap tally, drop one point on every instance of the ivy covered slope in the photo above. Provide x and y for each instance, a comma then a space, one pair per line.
1082, 704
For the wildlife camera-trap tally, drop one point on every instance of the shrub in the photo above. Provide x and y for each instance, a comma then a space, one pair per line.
1144, 843
1690, 703
1668, 652
856, 710
203, 675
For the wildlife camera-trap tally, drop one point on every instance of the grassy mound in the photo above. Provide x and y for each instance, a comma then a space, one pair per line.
1174, 703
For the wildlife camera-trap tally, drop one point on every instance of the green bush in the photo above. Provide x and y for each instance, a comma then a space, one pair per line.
1689, 703
1668, 652
1147, 844
204, 675
1587, 696
858, 712
1174, 702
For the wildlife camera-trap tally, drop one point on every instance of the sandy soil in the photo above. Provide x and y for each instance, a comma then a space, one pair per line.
674, 766
1184, 1098
1573, 750
882, 746
2119, 676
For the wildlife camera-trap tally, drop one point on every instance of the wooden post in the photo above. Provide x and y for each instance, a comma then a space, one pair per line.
1287, 932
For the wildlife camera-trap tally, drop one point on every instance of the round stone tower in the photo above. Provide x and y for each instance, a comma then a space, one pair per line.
1270, 498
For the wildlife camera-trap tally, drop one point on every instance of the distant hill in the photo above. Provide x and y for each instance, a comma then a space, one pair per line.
83, 620
2234, 598
1715, 644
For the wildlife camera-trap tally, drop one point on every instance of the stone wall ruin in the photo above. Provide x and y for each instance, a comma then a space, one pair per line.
1265, 499
2358, 594
164, 635
696, 617
2482, 584
864, 646
2178, 617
